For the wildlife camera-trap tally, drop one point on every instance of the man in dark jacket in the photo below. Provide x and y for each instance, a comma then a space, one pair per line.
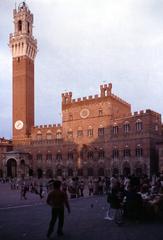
57, 199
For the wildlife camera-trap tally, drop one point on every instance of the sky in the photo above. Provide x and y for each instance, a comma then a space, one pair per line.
83, 44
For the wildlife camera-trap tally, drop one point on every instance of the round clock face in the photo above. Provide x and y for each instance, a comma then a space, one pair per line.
18, 124
84, 113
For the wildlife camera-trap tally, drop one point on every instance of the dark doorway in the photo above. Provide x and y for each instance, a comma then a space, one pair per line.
70, 172
138, 172
80, 172
1, 173
115, 171
126, 171
90, 172
59, 172
11, 168
100, 172
30, 172
49, 173
39, 173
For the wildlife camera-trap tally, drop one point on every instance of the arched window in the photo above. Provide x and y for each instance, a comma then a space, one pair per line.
49, 135
49, 156
70, 156
115, 129
90, 155
101, 154
100, 112
39, 157
90, 131
59, 156
126, 152
39, 136
28, 27
70, 133
126, 127
19, 25
100, 130
139, 125
79, 132
59, 134
115, 153
139, 151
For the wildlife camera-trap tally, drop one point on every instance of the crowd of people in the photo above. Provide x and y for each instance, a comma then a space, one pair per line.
135, 198
127, 196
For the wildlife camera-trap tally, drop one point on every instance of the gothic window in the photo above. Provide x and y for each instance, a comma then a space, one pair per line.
115, 130
90, 155
126, 152
39, 136
156, 128
19, 25
70, 133
139, 125
101, 154
59, 134
100, 131
126, 127
79, 132
90, 131
39, 157
70, 156
49, 156
100, 112
139, 152
48, 135
28, 29
59, 156
115, 153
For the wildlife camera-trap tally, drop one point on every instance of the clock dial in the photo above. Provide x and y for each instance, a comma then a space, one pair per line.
84, 113
19, 124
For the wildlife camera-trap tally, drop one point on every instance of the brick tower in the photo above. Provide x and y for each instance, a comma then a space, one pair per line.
24, 48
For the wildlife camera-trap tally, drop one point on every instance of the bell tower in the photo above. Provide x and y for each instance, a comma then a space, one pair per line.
24, 49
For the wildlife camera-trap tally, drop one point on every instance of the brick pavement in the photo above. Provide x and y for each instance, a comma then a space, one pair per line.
28, 220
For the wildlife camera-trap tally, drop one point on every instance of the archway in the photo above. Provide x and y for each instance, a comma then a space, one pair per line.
80, 172
30, 172
22, 168
126, 169
49, 173
115, 171
101, 172
11, 168
138, 172
90, 172
1, 173
39, 173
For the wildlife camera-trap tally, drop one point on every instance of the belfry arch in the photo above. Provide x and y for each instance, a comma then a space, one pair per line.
11, 168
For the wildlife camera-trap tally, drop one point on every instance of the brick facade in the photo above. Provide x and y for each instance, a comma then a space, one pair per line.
98, 136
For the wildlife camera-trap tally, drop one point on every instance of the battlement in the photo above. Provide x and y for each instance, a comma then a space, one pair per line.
47, 126
145, 112
120, 100
66, 97
105, 91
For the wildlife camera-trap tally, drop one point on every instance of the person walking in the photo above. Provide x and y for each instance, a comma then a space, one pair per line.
57, 199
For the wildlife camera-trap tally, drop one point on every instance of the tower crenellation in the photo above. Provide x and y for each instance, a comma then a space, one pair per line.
22, 42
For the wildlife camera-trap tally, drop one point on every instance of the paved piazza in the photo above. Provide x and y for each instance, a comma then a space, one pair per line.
28, 219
